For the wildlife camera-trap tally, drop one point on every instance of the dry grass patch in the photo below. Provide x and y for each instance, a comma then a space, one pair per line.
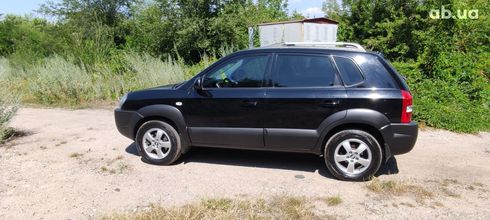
276, 208
445, 187
110, 162
448, 182
8, 135
61, 143
333, 200
438, 204
398, 188
115, 168
478, 184
450, 193
407, 204
76, 155
120, 169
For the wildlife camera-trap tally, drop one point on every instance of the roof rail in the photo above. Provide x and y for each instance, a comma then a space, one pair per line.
335, 44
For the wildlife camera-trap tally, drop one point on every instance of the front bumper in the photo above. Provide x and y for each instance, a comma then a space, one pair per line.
126, 122
400, 138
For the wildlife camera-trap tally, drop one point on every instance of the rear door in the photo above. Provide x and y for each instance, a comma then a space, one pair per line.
304, 89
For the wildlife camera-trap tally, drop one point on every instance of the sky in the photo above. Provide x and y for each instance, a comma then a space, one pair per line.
309, 8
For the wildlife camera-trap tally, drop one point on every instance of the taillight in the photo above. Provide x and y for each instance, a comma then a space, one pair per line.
406, 107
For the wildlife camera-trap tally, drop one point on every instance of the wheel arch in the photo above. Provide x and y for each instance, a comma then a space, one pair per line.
168, 114
367, 120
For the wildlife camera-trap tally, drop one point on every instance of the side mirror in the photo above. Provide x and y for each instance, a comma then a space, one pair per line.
198, 84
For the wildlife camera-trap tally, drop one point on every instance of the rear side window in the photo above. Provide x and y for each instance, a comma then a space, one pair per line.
348, 71
376, 74
294, 70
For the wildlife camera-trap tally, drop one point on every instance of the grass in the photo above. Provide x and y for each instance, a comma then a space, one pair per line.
110, 162
9, 103
448, 182
445, 184
104, 169
333, 200
407, 204
450, 193
111, 168
478, 184
60, 81
438, 204
276, 208
76, 155
6, 134
398, 188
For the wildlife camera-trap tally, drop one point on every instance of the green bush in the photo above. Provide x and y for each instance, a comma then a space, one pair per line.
449, 103
61, 82
148, 71
9, 103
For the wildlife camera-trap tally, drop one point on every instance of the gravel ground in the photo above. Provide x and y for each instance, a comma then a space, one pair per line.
75, 165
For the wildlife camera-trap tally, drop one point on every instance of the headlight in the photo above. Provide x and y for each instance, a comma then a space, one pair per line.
123, 100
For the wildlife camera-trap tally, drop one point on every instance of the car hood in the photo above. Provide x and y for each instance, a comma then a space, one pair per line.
166, 87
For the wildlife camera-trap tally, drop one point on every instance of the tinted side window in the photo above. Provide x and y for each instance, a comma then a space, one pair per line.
245, 71
375, 72
304, 71
348, 71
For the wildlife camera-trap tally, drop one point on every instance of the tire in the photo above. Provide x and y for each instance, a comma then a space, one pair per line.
352, 165
162, 136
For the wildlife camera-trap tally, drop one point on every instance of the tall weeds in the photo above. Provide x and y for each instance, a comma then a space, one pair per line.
58, 81
9, 102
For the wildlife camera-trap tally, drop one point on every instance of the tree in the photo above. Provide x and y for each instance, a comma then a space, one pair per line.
192, 28
331, 9
107, 12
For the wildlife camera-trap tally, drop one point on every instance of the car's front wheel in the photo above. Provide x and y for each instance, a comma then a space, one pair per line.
158, 142
353, 155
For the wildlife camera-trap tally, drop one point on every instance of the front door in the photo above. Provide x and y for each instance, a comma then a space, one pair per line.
227, 112
304, 89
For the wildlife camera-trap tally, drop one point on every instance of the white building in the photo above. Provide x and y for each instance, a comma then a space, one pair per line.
307, 30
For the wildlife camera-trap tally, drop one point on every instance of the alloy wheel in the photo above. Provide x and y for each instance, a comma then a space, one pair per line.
156, 143
352, 156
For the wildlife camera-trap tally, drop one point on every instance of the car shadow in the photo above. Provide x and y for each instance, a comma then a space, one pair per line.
263, 159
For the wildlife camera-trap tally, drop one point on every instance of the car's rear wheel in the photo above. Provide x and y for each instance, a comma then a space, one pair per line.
353, 155
158, 142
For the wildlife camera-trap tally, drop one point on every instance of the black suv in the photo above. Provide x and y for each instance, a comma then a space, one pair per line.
349, 105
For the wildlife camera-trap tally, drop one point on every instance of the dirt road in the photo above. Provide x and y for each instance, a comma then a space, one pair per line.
74, 164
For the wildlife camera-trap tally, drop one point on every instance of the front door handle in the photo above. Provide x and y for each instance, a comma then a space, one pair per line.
329, 103
249, 103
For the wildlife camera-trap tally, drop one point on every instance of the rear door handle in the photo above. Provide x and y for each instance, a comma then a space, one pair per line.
329, 103
249, 103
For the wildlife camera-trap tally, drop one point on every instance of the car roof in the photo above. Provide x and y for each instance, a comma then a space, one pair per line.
305, 49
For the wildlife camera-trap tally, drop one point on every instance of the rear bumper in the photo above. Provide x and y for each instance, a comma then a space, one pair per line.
126, 122
400, 138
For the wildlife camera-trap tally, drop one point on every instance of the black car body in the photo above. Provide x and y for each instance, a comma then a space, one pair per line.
286, 98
